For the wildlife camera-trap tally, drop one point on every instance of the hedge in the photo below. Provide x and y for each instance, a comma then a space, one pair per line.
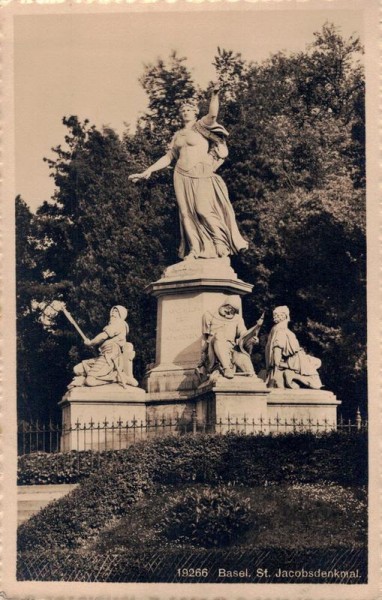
303, 457
107, 495
209, 517
58, 537
104, 496
254, 460
41, 468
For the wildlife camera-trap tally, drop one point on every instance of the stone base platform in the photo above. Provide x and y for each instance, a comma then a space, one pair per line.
314, 408
96, 409
109, 416
245, 404
165, 378
227, 403
176, 407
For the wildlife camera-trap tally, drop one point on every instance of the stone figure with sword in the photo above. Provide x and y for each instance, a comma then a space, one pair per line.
114, 363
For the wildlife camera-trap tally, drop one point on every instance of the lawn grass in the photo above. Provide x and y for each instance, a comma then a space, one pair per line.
285, 516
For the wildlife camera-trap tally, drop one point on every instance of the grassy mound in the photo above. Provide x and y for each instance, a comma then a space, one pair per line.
282, 516
264, 467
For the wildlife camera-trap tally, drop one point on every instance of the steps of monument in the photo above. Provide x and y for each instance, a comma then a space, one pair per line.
32, 498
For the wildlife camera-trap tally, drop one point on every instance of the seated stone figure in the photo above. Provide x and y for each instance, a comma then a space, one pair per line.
115, 361
227, 342
287, 365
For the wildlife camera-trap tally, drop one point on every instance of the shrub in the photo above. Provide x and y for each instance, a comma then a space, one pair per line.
108, 494
41, 468
209, 517
251, 460
294, 457
64, 528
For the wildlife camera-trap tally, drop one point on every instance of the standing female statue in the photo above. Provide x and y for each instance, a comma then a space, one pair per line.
207, 220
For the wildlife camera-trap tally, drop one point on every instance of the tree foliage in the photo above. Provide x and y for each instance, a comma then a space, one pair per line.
296, 175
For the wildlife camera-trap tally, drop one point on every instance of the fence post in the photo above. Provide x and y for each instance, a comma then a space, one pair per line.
119, 423
340, 424
105, 424
194, 421
78, 424
358, 420
24, 428
50, 435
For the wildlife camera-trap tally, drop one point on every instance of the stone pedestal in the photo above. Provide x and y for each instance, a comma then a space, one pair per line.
315, 409
109, 416
185, 292
244, 404
175, 406
103, 415
238, 404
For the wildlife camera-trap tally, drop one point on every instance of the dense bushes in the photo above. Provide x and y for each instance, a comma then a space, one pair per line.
256, 460
71, 467
238, 459
234, 458
107, 495
208, 518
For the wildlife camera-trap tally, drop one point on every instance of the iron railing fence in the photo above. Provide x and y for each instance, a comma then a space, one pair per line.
100, 436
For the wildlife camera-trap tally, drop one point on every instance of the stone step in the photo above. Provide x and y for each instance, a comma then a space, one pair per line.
24, 515
41, 496
45, 488
32, 498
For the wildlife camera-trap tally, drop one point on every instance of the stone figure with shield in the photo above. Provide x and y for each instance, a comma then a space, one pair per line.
227, 342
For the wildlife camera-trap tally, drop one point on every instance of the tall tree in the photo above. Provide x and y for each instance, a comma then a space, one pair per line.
167, 85
39, 351
296, 175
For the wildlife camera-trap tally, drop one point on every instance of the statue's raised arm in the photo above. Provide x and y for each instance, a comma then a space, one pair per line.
114, 363
213, 111
207, 220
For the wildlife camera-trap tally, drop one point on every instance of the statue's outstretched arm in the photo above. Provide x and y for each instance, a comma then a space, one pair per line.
101, 337
161, 163
214, 107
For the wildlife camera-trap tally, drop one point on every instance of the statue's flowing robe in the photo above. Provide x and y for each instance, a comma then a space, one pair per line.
293, 356
209, 226
110, 356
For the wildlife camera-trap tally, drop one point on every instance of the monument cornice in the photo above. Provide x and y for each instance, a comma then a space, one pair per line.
174, 286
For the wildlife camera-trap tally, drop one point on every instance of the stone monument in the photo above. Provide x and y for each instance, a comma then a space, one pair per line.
203, 348
202, 283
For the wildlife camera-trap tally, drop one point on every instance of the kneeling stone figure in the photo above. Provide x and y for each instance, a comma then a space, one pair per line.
287, 364
115, 361
226, 342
